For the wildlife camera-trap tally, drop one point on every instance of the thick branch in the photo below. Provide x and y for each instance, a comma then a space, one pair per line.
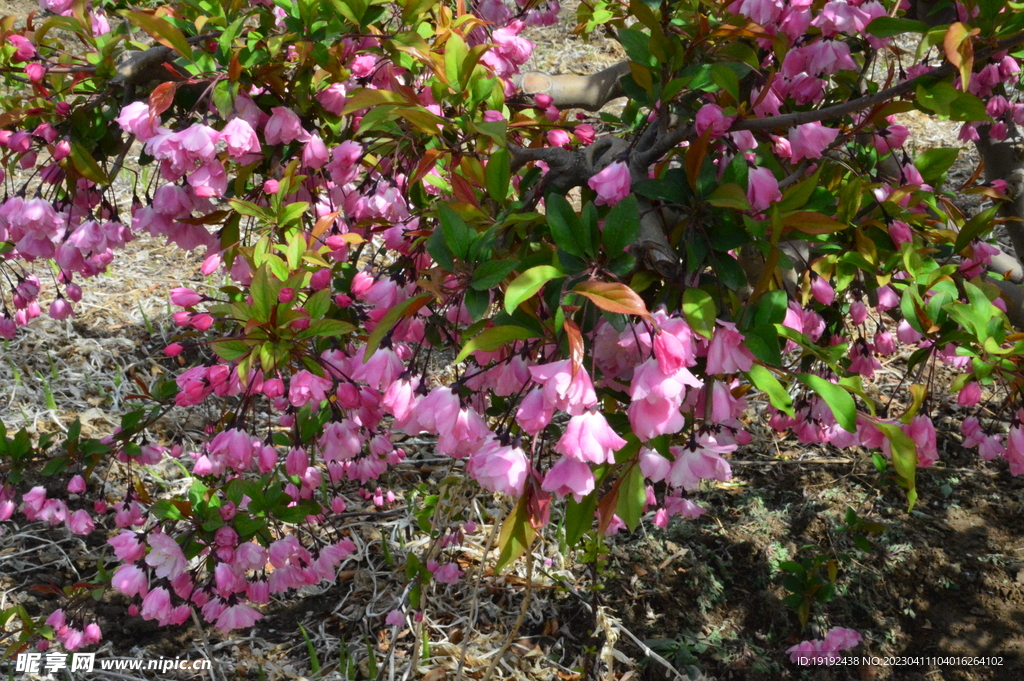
575, 92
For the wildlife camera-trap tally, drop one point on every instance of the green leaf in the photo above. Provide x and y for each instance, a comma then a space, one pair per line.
327, 328
904, 458
318, 303
497, 175
455, 54
493, 338
700, 311
935, 162
264, 290
517, 534
975, 227
404, 309
86, 165
765, 381
836, 397
163, 31
491, 273
230, 349
526, 284
567, 228
637, 46
632, 497
579, 517
458, 236
621, 226
165, 510
887, 27
729, 195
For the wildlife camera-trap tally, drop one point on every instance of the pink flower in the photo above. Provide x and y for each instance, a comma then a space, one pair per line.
810, 139
156, 605
611, 184
238, 616
653, 465
763, 12
130, 580
315, 154
448, 573
822, 291
240, 138
762, 188
969, 395
726, 352
135, 119
588, 437
569, 476
333, 98
534, 414
499, 468
710, 117
283, 127
697, 462
127, 547
922, 432
585, 133
80, 522
395, 618
564, 390
165, 556
185, 297
76, 485
307, 388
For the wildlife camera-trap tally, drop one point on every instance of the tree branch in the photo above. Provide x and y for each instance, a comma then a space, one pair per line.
575, 92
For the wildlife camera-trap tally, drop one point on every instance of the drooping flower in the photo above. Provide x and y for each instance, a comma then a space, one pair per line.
611, 184
165, 556
810, 139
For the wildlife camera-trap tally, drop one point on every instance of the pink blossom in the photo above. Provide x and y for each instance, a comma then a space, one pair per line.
569, 476
238, 616
969, 395
534, 414
726, 353
185, 297
588, 437
499, 468
653, 465
711, 118
130, 580
333, 98
127, 547
563, 389
80, 522
611, 184
810, 139
395, 618
157, 605
307, 388
449, 573
762, 188
165, 556
283, 127
240, 138
699, 461
315, 154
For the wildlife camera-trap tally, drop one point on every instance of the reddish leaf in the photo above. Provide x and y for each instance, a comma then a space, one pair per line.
572, 331
463, 190
695, 157
425, 165
613, 297
161, 99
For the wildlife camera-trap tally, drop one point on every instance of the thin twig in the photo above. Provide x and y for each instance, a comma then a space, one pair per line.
519, 620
